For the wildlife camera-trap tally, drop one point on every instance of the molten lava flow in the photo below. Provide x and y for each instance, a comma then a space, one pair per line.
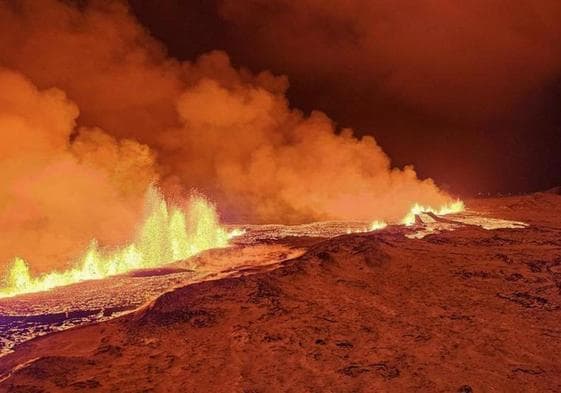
453, 207
377, 225
166, 235
409, 219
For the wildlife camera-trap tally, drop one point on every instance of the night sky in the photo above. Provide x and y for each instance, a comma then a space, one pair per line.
484, 118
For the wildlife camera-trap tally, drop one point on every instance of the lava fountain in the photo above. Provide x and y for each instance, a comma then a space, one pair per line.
167, 234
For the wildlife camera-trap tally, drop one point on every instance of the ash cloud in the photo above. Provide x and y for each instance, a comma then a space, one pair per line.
93, 110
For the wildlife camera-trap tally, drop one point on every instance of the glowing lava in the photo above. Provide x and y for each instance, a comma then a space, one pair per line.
376, 225
167, 234
450, 208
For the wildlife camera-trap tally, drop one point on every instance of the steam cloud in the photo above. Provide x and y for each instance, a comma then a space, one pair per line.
92, 111
58, 196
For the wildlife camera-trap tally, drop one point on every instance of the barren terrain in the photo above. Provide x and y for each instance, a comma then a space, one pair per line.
460, 310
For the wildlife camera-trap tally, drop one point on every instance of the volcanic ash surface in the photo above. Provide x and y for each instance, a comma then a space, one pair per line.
460, 310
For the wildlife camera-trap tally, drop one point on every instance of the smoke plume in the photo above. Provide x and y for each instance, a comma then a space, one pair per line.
92, 111
56, 196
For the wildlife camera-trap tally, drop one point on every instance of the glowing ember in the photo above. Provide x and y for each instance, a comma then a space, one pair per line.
450, 208
376, 225
166, 235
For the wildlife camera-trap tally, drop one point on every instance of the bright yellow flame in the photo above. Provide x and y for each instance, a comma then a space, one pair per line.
452, 207
236, 232
376, 225
166, 235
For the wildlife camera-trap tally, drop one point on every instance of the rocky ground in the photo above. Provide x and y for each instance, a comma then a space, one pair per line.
462, 310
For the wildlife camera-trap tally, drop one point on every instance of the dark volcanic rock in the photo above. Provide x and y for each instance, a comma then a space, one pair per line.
464, 311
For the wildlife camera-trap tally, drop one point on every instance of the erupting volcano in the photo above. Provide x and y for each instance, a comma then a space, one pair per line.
164, 237
194, 196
